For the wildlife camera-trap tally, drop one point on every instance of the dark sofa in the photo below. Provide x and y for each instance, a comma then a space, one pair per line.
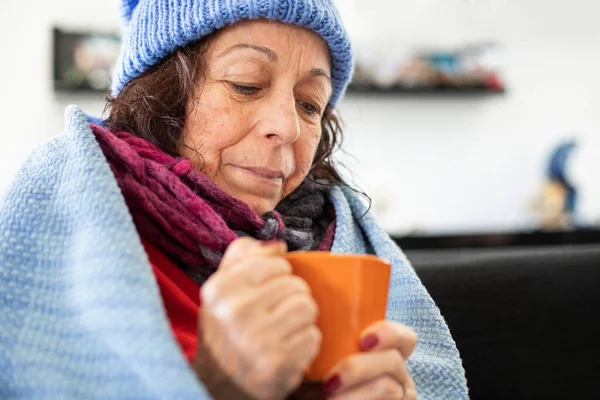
526, 320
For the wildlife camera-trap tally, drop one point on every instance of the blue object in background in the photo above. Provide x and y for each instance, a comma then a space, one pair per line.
445, 62
557, 172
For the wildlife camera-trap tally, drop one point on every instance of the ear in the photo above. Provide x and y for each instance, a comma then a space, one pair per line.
127, 7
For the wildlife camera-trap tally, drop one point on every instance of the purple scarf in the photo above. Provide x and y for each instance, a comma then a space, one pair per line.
181, 211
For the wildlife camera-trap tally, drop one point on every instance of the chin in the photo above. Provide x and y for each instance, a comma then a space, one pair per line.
260, 205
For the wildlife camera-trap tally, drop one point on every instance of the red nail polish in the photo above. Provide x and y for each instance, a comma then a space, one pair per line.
368, 342
332, 384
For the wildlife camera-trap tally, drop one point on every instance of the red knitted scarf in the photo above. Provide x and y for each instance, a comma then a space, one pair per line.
181, 211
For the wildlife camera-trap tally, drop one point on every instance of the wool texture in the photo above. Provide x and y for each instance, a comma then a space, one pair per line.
184, 213
153, 29
80, 310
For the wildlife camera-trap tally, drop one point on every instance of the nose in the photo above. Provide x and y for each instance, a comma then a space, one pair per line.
279, 119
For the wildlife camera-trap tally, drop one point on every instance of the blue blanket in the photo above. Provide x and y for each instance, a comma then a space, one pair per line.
81, 315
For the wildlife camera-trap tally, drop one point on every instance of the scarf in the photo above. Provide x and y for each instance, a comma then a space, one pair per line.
80, 309
180, 210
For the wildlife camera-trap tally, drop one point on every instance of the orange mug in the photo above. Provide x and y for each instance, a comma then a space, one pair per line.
351, 292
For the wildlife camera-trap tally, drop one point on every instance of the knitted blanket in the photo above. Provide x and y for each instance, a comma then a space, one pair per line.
81, 313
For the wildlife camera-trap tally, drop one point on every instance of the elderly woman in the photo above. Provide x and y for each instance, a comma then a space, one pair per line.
141, 257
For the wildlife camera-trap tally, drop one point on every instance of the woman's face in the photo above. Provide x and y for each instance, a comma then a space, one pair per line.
255, 122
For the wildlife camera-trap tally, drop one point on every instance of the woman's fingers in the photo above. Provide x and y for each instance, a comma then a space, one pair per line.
244, 278
246, 263
362, 368
381, 388
294, 313
242, 248
306, 343
272, 293
389, 335
256, 271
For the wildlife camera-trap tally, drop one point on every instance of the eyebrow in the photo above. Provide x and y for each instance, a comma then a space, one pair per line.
319, 72
271, 55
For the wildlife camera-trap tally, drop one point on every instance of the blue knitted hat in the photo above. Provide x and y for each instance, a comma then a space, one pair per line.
155, 28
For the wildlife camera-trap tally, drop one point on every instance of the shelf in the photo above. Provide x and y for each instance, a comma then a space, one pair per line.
423, 91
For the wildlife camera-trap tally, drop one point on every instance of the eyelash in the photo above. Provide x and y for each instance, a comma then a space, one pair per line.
314, 109
248, 90
243, 89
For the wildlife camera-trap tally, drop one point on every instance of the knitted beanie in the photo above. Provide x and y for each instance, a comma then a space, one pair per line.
153, 29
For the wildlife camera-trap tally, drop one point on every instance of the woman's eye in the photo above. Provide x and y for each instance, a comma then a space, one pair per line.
309, 108
244, 89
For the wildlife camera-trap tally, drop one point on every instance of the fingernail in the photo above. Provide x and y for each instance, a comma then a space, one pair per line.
267, 243
368, 342
333, 384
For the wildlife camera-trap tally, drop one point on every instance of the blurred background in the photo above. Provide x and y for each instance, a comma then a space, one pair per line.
466, 118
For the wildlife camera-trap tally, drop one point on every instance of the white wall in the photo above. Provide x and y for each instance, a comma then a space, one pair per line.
29, 110
431, 163
475, 163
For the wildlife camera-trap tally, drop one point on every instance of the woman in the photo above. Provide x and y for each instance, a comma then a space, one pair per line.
215, 159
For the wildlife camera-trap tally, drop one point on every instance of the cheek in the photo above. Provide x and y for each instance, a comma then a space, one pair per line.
208, 131
304, 152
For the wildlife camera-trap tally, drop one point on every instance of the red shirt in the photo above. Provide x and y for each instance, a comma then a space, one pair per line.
180, 295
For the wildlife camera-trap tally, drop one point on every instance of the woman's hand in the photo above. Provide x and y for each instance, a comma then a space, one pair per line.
379, 373
256, 329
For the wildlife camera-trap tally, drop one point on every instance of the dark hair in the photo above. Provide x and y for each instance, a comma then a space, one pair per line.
153, 107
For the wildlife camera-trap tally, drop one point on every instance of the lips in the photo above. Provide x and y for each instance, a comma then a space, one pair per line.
265, 172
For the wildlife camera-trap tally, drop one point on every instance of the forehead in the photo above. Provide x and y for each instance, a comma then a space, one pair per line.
276, 35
